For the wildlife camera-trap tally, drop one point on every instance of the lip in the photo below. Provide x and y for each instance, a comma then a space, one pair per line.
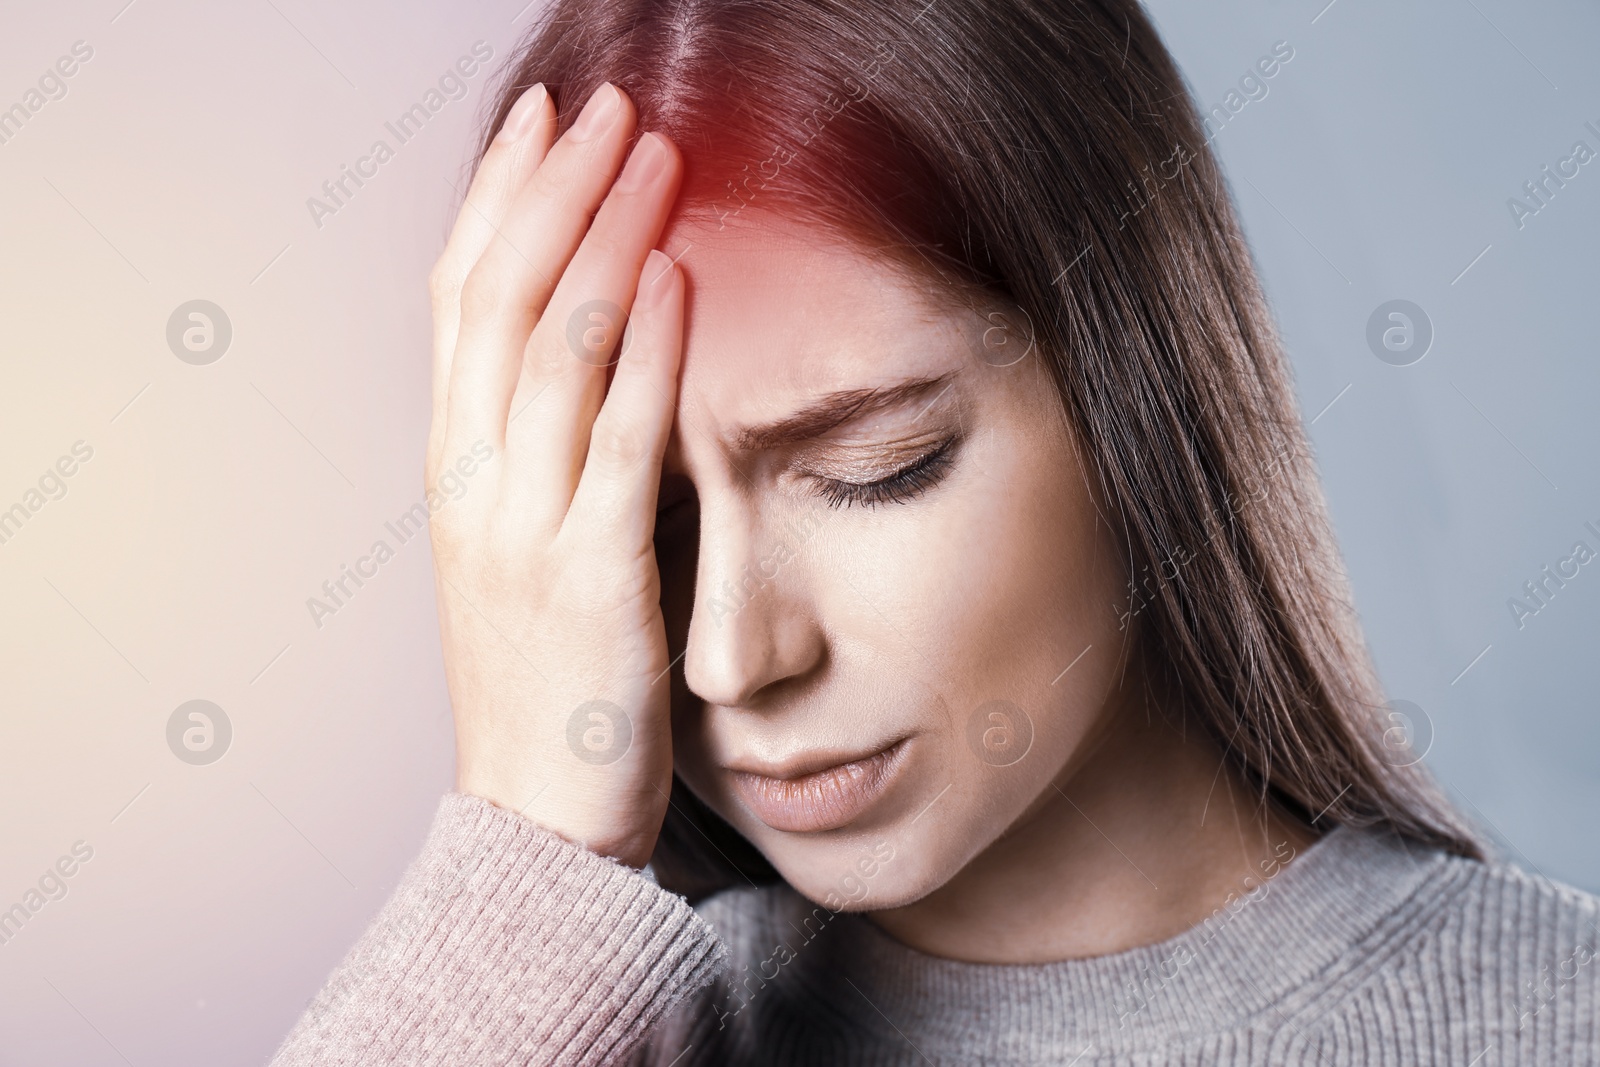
818, 791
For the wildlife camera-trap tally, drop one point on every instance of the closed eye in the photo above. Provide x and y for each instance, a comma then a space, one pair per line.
900, 487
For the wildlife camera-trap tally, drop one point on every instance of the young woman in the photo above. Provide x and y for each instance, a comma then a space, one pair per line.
917, 637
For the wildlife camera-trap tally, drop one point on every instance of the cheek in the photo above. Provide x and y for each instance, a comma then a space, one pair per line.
993, 585
988, 592
1043, 627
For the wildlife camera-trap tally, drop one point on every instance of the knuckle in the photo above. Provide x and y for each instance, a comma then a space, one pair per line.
551, 183
609, 240
444, 281
545, 361
485, 293
618, 445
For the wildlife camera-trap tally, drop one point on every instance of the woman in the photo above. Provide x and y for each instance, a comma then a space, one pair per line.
917, 637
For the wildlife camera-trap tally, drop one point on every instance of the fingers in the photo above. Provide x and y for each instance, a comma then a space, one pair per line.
505, 292
616, 496
580, 332
512, 157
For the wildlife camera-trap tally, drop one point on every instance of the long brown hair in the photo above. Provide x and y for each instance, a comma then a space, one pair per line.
1046, 153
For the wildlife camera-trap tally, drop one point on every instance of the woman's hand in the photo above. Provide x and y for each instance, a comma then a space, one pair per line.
554, 646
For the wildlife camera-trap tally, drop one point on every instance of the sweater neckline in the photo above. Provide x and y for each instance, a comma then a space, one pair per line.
1242, 961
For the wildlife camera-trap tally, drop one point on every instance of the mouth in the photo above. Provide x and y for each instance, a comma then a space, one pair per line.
818, 791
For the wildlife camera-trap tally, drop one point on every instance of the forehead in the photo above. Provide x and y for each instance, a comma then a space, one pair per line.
778, 313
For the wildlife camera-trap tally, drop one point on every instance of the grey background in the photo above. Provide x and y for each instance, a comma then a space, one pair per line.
220, 497
1378, 167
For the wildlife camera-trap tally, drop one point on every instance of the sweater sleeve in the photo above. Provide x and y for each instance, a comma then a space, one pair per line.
506, 944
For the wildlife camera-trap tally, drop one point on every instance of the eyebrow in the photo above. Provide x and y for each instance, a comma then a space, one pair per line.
833, 410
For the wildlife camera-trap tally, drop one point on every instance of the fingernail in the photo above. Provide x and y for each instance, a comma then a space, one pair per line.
645, 164
521, 115
597, 114
657, 273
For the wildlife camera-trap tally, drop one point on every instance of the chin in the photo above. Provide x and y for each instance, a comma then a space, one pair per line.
868, 872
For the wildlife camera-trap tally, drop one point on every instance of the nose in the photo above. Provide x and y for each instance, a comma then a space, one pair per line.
753, 626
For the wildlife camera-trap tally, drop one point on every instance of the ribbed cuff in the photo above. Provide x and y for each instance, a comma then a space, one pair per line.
504, 944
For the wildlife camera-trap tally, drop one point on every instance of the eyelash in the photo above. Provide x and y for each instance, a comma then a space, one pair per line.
900, 487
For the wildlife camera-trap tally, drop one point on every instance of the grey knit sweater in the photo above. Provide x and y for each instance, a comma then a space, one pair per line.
504, 944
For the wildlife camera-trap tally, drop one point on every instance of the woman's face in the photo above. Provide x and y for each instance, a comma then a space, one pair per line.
880, 558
